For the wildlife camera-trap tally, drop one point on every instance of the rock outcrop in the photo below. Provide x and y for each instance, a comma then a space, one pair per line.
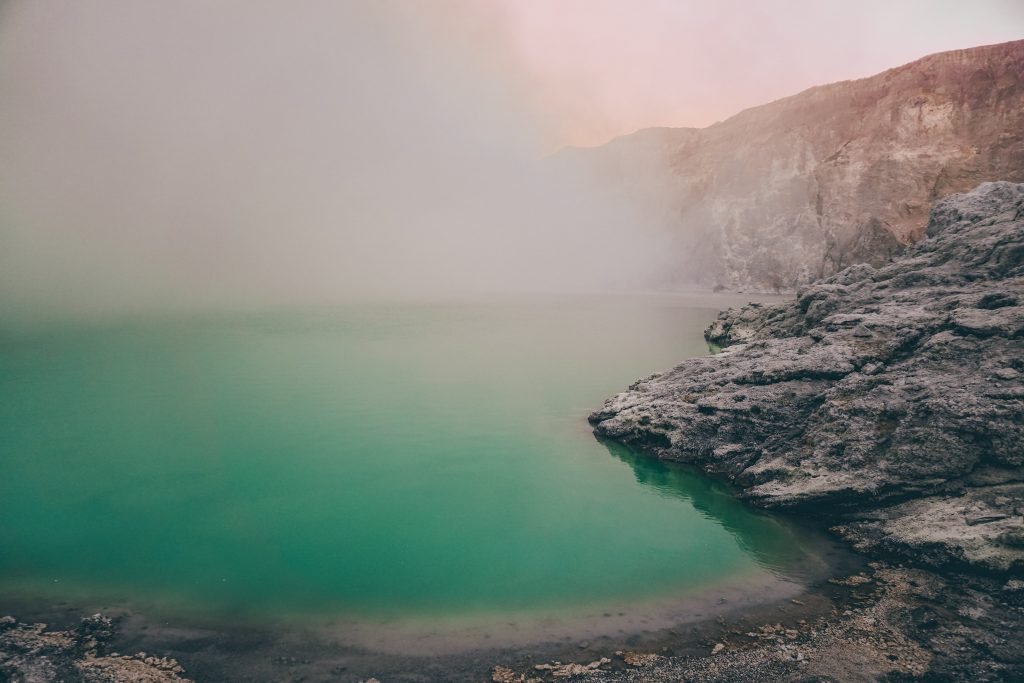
890, 400
32, 653
786, 193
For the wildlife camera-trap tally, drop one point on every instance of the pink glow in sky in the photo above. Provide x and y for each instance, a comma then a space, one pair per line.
159, 153
608, 67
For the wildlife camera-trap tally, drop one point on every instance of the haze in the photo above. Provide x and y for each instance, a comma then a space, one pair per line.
191, 154
195, 154
607, 67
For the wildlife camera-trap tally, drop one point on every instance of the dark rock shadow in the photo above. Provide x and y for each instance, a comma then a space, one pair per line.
781, 545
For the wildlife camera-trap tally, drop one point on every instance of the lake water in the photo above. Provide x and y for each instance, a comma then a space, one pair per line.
418, 461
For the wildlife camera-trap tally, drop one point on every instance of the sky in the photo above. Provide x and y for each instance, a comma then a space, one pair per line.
603, 68
189, 154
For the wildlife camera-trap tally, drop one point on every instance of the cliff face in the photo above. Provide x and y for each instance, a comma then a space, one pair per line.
780, 195
890, 400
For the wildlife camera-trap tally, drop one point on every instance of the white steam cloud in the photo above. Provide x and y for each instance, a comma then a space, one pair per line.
195, 154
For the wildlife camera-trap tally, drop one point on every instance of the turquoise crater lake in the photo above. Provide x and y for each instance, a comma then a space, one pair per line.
387, 461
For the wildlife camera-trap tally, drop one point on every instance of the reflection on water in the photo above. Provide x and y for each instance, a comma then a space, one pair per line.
776, 544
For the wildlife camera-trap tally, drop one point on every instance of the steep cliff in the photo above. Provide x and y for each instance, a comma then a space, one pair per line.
782, 194
890, 400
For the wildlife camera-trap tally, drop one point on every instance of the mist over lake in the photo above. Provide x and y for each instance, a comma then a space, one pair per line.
377, 461
522, 341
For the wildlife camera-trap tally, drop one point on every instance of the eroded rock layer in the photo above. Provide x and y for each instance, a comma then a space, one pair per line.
890, 399
788, 192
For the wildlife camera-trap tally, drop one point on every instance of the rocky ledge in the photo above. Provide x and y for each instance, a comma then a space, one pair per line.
889, 400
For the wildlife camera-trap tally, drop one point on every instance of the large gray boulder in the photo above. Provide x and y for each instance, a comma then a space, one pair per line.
889, 399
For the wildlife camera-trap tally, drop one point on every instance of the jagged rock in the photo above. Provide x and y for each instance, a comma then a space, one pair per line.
29, 652
641, 658
502, 674
572, 669
878, 390
788, 192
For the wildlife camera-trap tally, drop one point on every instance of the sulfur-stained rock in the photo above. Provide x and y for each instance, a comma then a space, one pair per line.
798, 189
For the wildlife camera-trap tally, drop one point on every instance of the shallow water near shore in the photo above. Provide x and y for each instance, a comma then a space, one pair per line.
397, 469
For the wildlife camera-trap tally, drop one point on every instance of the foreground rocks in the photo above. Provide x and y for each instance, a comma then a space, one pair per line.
890, 400
30, 653
895, 623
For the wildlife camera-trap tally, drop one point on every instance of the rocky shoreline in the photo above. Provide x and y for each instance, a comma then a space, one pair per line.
889, 404
886, 622
891, 399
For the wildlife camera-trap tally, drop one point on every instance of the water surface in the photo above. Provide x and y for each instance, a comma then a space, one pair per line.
388, 461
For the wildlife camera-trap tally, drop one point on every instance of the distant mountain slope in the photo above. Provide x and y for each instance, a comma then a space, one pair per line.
794, 190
